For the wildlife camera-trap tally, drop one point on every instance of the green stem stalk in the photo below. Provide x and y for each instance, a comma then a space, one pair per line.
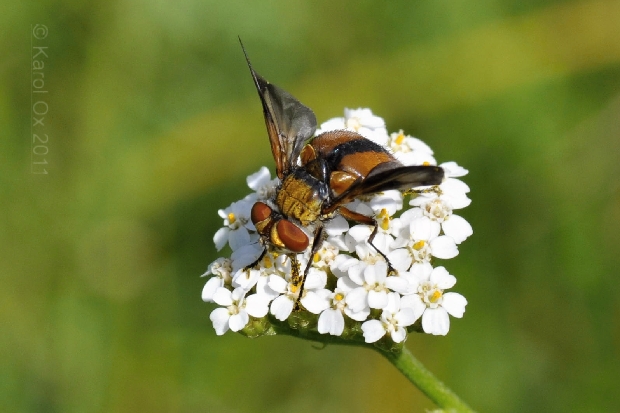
402, 359
424, 380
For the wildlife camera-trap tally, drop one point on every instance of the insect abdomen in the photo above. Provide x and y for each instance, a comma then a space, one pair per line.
350, 152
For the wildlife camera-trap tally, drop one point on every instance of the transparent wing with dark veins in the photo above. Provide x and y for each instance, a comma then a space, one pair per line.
289, 122
384, 178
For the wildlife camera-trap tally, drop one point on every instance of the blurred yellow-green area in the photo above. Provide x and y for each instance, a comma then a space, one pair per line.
140, 121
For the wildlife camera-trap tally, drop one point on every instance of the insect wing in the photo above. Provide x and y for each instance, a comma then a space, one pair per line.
289, 122
386, 177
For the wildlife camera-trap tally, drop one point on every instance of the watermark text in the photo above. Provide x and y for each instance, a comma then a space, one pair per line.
39, 98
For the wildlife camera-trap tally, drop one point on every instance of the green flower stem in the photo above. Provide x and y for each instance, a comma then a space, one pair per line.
399, 356
424, 380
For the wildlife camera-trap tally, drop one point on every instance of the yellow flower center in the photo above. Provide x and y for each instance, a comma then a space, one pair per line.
435, 296
231, 218
339, 297
384, 219
316, 257
233, 309
400, 138
418, 245
426, 163
267, 262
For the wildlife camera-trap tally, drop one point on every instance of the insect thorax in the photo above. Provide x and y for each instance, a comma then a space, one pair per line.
301, 196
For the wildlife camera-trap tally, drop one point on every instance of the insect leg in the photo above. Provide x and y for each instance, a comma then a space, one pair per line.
255, 263
434, 189
364, 219
316, 245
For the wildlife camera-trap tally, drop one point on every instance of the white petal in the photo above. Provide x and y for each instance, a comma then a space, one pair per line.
219, 317
435, 229
379, 136
337, 225
415, 303
338, 242
399, 284
409, 216
257, 305
381, 271
453, 169
412, 282
282, 307
364, 251
400, 259
262, 288
373, 330
362, 208
357, 299
416, 158
419, 201
402, 240
377, 299
358, 315
356, 273
399, 335
316, 279
331, 124
365, 117
238, 294
396, 228
283, 264
421, 271
246, 279
242, 208
457, 200
221, 238
375, 273
209, 289
417, 145
245, 256
393, 304
238, 238
454, 303
391, 201
442, 278
457, 228
420, 228
436, 321
454, 186
405, 317
332, 322
223, 296
223, 213
315, 302
238, 321
444, 247
258, 179
345, 284
345, 262
382, 242
277, 283
360, 233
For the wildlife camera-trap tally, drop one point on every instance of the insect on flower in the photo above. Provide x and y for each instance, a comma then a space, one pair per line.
319, 176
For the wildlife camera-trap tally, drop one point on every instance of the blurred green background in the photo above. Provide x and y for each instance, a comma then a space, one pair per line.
152, 123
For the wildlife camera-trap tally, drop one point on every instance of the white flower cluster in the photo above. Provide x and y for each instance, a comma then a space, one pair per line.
349, 283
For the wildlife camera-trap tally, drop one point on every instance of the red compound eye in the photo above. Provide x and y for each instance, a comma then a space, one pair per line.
292, 237
260, 212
